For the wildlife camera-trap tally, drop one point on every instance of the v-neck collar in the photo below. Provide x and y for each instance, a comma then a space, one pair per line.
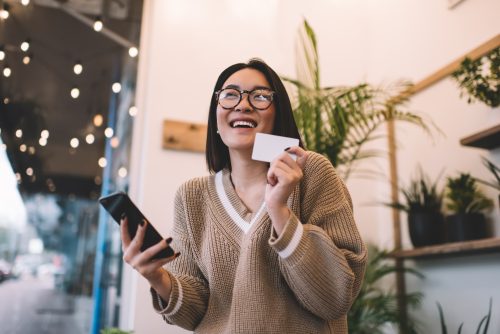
232, 203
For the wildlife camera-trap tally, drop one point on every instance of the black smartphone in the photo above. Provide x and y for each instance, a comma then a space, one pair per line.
119, 203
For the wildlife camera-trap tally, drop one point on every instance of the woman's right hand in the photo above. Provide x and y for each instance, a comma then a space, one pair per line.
143, 262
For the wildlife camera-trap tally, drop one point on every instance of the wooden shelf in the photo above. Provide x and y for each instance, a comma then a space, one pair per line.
488, 139
481, 246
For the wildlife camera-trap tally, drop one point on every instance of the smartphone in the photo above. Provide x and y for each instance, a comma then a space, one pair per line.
119, 203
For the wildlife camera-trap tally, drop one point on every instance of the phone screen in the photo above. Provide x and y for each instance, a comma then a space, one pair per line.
119, 203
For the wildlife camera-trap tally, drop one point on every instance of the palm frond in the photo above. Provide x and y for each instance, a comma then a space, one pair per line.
338, 122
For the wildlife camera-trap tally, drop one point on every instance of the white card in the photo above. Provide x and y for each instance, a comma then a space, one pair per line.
268, 147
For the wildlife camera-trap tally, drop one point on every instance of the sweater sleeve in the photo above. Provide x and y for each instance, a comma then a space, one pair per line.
189, 295
322, 257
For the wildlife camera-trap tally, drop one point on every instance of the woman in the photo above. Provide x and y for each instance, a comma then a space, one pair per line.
265, 248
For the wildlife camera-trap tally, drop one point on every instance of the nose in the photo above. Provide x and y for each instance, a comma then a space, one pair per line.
244, 105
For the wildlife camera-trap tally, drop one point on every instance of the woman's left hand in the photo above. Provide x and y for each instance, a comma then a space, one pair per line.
282, 177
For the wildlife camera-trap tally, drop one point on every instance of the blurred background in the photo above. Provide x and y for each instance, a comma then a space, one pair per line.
67, 86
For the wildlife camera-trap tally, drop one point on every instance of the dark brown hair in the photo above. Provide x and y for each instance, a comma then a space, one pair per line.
217, 153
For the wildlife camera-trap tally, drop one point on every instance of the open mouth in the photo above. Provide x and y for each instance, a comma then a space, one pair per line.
243, 124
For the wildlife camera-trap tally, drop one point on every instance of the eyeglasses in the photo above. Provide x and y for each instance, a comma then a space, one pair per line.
259, 98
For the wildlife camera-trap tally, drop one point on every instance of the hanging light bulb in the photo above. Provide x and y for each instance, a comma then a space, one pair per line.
44, 134
74, 142
75, 92
102, 162
27, 59
133, 52
25, 45
98, 120
132, 111
90, 138
2, 52
78, 68
116, 88
25, 2
7, 71
4, 12
108, 132
98, 24
19, 133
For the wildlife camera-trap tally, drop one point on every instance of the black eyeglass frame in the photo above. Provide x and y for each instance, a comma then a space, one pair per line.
248, 92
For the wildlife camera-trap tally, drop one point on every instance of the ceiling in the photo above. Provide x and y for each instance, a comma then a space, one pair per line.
36, 96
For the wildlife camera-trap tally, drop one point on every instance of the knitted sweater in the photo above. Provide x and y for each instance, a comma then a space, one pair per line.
235, 276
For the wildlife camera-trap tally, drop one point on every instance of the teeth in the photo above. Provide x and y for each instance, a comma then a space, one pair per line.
243, 123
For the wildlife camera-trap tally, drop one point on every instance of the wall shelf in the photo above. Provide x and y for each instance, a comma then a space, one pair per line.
488, 139
481, 246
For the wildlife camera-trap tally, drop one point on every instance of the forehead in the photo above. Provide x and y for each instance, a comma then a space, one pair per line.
247, 78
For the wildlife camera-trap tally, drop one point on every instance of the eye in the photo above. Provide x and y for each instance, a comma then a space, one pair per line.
229, 94
262, 95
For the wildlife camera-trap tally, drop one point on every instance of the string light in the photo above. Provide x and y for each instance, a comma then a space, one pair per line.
78, 68
27, 59
22, 148
102, 162
7, 71
44, 134
25, 2
29, 171
132, 111
75, 92
115, 142
90, 138
42, 141
116, 88
2, 52
98, 24
133, 52
6, 100
25, 45
122, 172
108, 132
74, 142
4, 13
98, 120
19, 133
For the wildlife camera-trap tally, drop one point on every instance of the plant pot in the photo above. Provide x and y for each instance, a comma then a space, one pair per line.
426, 228
466, 226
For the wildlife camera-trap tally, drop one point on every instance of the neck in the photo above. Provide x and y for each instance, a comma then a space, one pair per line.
246, 172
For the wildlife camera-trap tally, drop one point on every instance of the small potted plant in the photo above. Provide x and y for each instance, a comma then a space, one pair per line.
467, 205
422, 203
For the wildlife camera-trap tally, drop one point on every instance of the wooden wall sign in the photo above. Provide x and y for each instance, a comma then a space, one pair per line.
184, 136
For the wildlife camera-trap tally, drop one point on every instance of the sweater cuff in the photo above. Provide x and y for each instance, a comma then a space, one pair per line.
174, 303
290, 237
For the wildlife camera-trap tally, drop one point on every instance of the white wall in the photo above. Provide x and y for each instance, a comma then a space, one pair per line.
186, 43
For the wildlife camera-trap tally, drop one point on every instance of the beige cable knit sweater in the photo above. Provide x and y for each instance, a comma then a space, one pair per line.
235, 276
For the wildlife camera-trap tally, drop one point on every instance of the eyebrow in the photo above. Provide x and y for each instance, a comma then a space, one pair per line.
239, 88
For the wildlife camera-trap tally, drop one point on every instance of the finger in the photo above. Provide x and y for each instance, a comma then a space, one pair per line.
125, 236
139, 235
300, 153
155, 249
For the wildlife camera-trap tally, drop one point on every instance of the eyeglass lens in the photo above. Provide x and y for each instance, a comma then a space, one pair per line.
258, 98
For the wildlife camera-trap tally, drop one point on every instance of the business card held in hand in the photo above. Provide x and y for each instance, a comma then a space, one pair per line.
267, 147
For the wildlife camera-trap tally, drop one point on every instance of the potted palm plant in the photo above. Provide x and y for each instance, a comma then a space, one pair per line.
339, 121
467, 204
422, 203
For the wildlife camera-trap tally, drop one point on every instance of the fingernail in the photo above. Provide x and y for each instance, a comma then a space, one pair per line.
168, 241
123, 216
177, 254
143, 222
286, 149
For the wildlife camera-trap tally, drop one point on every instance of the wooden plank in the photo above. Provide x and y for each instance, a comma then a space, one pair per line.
489, 138
489, 245
445, 71
184, 136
